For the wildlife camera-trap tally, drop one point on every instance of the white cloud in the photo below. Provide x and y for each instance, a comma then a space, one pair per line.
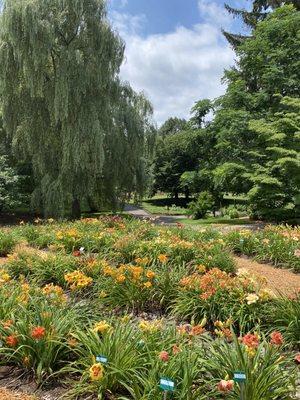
118, 3
127, 24
214, 12
177, 68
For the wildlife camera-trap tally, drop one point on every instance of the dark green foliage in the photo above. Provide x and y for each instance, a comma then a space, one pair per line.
257, 120
171, 126
260, 10
179, 153
202, 205
199, 112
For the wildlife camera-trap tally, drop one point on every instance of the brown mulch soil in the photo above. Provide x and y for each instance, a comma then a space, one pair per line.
6, 394
281, 281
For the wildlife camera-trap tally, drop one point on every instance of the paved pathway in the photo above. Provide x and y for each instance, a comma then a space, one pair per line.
140, 213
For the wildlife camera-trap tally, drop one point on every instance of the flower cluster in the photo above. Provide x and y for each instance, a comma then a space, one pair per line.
4, 277
69, 233
55, 293
130, 273
251, 343
77, 280
150, 326
209, 283
223, 329
102, 327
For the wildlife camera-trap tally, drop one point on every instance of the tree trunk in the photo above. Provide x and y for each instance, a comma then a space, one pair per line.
187, 194
93, 207
76, 211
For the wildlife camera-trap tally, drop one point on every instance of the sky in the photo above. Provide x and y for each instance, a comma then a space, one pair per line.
175, 51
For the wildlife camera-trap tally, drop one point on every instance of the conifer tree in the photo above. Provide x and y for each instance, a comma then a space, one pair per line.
257, 120
276, 177
260, 10
59, 65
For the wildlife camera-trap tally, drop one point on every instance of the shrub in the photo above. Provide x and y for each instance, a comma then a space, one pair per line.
201, 206
285, 317
38, 236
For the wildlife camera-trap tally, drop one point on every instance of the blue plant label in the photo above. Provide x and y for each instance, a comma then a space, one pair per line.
167, 384
239, 377
101, 359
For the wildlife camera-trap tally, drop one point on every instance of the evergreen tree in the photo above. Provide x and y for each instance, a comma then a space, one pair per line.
276, 179
260, 10
253, 156
64, 106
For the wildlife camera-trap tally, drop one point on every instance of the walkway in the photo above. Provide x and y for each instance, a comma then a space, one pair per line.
279, 280
140, 213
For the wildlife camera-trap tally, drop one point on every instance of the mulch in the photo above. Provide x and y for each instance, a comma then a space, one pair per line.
6, 394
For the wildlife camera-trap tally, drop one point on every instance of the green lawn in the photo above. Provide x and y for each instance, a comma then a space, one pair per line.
163, 205
217, 220
162, 210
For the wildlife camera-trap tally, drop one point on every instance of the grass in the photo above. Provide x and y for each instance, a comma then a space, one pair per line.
216, 220
153, 208
160, 204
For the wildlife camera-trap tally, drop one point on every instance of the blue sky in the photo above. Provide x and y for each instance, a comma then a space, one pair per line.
175, 51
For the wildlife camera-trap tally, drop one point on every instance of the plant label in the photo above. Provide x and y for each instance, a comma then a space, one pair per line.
101, 359
239, 377
167, 385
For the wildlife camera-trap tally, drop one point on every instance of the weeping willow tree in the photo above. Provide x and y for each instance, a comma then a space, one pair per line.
65, 109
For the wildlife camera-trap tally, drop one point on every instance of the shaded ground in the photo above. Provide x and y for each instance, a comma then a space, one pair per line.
281, 281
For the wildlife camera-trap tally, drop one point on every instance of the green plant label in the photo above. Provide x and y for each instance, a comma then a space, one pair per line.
167, 384
239, 377
101, 359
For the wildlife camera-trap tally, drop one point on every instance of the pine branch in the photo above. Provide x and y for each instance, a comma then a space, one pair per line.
234, 39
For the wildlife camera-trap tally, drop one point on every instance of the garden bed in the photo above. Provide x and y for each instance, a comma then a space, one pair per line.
278, 245
109, 307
